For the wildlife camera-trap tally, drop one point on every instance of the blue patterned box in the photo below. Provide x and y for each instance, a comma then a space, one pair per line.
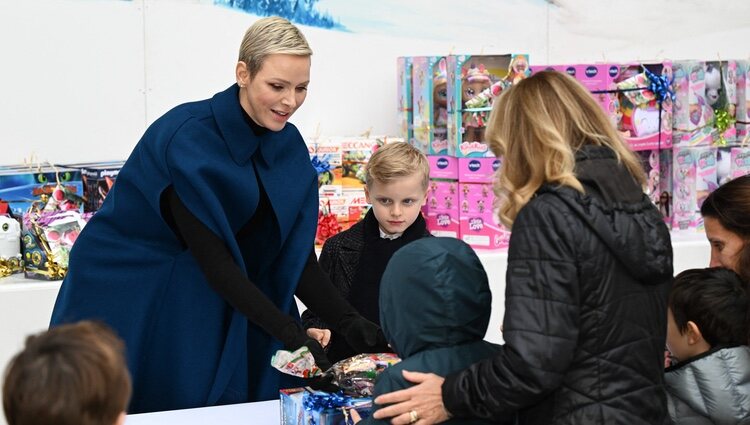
303, 406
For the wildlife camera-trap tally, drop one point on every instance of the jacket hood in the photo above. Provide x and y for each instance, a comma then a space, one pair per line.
716, 385
434, 293
620, 214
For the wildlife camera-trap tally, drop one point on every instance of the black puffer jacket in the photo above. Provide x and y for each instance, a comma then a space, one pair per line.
585, 319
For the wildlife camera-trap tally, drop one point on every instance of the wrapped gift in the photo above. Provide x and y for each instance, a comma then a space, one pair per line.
304, 406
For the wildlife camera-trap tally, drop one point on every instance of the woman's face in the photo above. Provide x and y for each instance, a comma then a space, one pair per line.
276, 91
726, 246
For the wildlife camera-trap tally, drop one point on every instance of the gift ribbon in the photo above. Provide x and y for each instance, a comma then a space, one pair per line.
321, 164
316, 402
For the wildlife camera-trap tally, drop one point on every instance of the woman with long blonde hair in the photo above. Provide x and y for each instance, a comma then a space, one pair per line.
589, 269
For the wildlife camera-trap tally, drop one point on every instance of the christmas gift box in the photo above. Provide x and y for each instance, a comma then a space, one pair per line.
304, 406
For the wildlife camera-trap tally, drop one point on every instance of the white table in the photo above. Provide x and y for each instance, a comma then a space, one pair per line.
260, 413
26, 305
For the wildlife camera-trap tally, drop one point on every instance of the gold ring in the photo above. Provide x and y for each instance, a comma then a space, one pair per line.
413, 416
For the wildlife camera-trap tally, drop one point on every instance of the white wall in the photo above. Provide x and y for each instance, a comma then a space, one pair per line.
81, 79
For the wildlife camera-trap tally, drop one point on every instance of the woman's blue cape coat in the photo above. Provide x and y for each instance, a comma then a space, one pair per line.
185, 345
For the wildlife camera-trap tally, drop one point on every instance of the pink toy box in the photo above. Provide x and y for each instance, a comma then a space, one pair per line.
479, 226
473, 83
443, 167
597, 78
478, 170
442, 208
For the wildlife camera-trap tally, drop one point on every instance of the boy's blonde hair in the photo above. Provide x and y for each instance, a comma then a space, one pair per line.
537, 126
69, 375
395, 160
268, 36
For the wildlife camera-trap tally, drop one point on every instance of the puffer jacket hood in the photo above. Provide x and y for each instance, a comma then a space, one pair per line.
434, 293
618, 212
712, 389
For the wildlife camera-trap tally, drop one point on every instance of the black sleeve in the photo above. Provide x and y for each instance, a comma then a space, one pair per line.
326, 306
225, 276
541, 321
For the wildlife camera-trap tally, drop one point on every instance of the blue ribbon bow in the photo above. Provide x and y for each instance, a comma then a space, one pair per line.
321, 164
660, 85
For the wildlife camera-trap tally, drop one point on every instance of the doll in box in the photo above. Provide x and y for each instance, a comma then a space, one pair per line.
474, 80
440, 95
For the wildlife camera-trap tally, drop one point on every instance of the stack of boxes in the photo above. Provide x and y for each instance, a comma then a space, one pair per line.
460, 200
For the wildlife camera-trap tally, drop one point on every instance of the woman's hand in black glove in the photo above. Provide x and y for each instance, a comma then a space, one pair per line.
294, 337
363, 335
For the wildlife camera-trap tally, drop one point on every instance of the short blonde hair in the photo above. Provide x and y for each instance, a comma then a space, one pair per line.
268, 36
395, 160
537, 126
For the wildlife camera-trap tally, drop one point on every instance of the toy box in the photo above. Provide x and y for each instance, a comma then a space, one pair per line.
597, 78
98, 179
695, 176
650, 162
355, 153
326, 158
740, 162
443, 167
473, 84
743, 101
706, 97
442, 208
429, 104
665, 185
22, 186
643, 116
478, 170
299, 406
404, 96
478, 224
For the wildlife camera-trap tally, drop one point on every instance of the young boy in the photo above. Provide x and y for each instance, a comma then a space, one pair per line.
435, 305
70, 375
396, 186
707, 333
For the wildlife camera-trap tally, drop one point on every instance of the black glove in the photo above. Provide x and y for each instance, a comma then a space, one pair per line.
294, 337
323, 383
362, 335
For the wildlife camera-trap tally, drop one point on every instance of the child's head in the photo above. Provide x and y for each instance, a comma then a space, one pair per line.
707, 307
70, 375
434, 293
397, 177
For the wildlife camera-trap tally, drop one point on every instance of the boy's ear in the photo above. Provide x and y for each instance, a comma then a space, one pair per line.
424, 199
694, 335
367, 195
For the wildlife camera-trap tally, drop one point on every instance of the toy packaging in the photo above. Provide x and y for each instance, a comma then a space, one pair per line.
478, 170
740, 161
326, 158
98, 179
304, 406
48, 237
743, 101
442, 208
650, 161
404, 96
706, 102
597, 78
23, 186
644, 105
473, 84
479, 226
665, 185
443, 167
696, 174
429, 105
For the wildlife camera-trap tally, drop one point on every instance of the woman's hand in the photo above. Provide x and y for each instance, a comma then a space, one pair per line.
323, 336
421, 404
